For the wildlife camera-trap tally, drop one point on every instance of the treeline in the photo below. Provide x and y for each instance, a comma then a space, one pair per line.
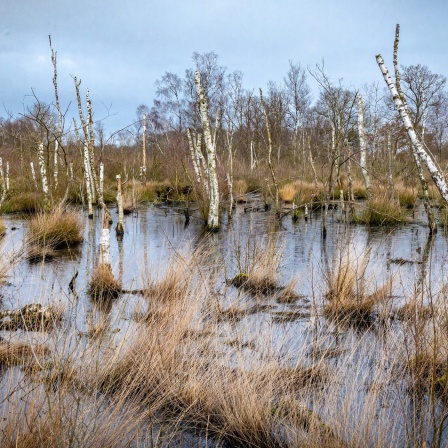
308, 137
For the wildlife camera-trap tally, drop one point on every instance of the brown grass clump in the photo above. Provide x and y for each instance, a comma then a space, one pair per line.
380, 211
407, 196
258, 263
55, 230
346, 296
359, 190
24, 202
240, 187
20, 353
288, 192
307, 193
103, 285
32, 317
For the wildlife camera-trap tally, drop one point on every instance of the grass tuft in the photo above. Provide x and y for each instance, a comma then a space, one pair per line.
55, 230
380, 212
103, 285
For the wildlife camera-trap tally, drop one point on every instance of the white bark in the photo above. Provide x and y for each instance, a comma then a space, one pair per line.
390, 170
33, 174
55, 172
436, 175
144, 150
105, 241
194, 157
7, 176
268, 130
253, 162
60, 118
43, 173
213, 212
119, 228
3, 182
88, 179
101, 179
363, 146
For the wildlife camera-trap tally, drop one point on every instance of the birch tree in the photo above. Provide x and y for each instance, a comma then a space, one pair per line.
213, 212
363, 146
416, 145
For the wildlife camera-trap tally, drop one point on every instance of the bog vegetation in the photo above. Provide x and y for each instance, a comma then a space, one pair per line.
189, 369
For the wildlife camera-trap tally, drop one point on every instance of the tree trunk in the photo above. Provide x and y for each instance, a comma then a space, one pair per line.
144, 151
436, 175
268, 130
213, 212
390, 170
88, 180
363, 146
43, 175
119, 228
105, 241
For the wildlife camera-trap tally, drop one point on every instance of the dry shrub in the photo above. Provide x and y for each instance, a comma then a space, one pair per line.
103, 286
56, 229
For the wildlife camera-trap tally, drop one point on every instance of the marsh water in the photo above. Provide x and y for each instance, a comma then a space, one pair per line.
404, 255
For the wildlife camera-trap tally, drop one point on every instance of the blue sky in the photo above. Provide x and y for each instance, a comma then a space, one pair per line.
120, 48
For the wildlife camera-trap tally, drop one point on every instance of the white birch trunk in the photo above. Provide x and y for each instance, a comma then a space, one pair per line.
213, 212
88, 180
33, 174
91, 145
268, 130
390, 170
436, 175
252, 156
7, 176
144, 151
230, 173
101, 186
105, 241
363, 146
194, 157
55, 172
43, 174
3, 182
119, 228
71, 171
313, 167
